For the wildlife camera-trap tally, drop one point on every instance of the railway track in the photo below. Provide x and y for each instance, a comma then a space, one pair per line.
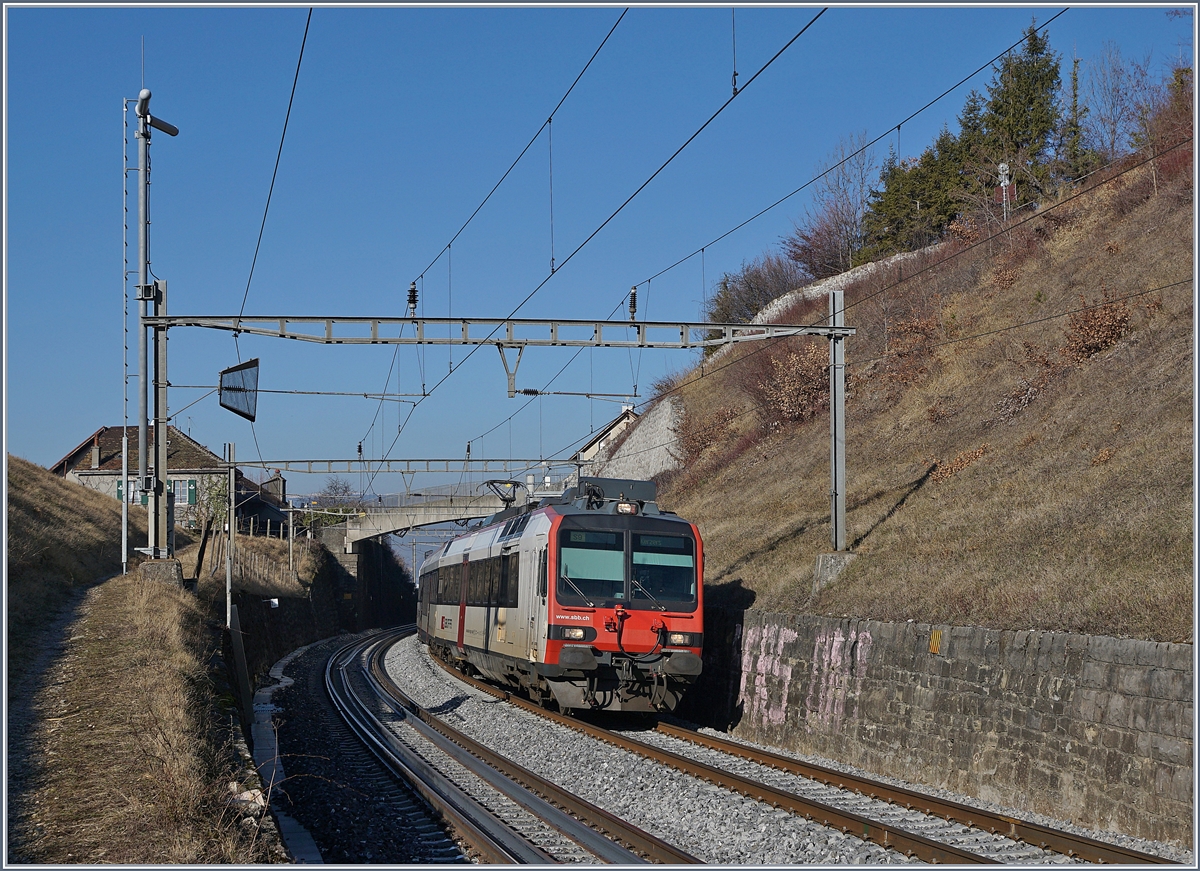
913, 823
506, 813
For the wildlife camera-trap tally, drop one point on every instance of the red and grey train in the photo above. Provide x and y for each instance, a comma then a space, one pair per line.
591, 600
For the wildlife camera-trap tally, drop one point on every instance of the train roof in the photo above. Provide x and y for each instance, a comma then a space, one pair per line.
589, 496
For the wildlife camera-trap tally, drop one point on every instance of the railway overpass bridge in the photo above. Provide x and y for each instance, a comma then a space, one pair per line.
381, 521
345, 540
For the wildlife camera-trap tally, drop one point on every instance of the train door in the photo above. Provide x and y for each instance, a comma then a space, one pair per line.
534, 569
462, 601
516, 623
423, 597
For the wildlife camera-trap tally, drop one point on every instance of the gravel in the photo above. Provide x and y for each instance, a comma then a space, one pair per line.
712, 823
334, 788
715, 825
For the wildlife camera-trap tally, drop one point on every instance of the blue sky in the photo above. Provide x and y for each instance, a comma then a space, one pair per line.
403, 120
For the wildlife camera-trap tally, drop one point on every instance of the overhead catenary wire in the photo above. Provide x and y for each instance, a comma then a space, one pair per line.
267, 208
849, 157
275, 172
628, 200
550, 148
885, 356
447, 249
702, 250
392, 397
528, 145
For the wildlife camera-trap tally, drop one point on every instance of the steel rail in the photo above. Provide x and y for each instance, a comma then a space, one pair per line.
576, 808
1067, 843
494, 841
884, 835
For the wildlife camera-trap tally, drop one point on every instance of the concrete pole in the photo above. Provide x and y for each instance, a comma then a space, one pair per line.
162, 542
229, 455
837, 423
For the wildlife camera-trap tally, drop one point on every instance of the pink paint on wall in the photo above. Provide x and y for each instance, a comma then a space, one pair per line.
762, 659
838, 667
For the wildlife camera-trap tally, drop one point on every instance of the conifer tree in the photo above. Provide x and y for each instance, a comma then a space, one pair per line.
1022, 113
1075, 159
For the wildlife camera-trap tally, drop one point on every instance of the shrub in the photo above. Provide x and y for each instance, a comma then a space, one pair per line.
798, 386
945, 471
1095, 329
696, 432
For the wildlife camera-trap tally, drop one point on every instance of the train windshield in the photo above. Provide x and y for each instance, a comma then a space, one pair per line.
664, 571
591, 567
602, 568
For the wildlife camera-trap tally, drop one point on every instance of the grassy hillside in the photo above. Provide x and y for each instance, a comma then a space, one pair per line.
1019, 430
61, 536
114, 751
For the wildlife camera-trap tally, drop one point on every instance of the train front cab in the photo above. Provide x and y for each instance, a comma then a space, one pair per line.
625, 611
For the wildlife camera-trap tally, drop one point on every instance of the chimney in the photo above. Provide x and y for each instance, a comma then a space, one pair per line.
96, 453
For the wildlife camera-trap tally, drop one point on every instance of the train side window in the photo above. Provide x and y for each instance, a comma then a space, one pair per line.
512, 572
489, 580
475, 589
514, 580
542, 574
495, 582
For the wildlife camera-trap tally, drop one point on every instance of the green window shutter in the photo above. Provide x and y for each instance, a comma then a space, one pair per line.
191, 492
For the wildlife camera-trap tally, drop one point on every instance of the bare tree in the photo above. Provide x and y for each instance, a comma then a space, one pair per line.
741, 295
338, 493
1117, 94
830, 233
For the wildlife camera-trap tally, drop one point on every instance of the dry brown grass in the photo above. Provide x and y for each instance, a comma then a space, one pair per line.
61, 537
1078, 513
118, 763
127, 773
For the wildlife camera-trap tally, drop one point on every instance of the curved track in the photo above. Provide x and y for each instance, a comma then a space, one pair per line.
954, 833
521, 827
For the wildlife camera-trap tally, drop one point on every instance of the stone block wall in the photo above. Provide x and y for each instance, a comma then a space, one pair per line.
647, 451
1090, 729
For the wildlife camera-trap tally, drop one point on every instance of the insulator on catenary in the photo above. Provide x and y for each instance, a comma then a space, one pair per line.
412, 300
633, 302
529, 391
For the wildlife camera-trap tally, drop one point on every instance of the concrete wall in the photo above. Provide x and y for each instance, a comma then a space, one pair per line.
1086, 728
371, 587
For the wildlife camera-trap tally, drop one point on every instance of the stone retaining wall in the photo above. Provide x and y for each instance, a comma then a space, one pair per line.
648, 449
1086, 728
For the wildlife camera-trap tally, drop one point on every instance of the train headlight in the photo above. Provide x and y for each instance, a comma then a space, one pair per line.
680, 639
572, 633
627, 508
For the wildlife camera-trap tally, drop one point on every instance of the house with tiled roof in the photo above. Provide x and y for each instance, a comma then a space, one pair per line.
607, 436
194, 474
192, 469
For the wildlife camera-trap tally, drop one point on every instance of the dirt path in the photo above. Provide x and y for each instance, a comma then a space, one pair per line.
36, 703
